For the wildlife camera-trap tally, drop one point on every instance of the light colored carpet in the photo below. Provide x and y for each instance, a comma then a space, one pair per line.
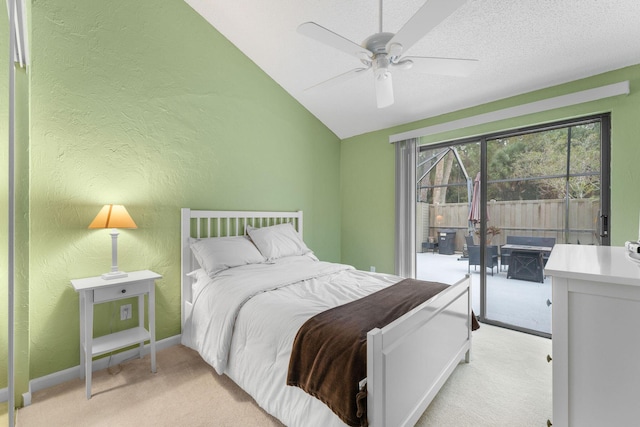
507, 383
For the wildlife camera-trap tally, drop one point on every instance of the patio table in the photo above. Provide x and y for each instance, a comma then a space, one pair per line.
526, 262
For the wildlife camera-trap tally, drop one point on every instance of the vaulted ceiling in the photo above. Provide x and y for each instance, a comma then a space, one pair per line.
520, 46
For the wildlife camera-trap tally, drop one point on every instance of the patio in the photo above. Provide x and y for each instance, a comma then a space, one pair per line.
518, 302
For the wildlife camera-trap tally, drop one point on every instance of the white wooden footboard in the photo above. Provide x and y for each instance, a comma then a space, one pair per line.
410, 359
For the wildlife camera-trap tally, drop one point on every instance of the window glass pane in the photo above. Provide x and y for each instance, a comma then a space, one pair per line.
441, 177
585, 149
529, 155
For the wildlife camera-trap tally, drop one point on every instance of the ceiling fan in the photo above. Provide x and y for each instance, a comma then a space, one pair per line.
383, 52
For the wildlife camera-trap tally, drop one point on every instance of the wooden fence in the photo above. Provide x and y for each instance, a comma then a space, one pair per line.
540, 218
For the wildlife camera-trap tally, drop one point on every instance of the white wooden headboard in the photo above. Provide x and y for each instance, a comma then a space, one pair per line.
203, 224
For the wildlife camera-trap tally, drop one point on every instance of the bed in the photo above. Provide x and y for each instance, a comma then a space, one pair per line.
243, 319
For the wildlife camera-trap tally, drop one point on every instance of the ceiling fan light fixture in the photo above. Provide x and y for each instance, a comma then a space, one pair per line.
384, 90
381, 67
382, 74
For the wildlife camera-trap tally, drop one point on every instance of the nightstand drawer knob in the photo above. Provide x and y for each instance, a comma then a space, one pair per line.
549, 359
124, 291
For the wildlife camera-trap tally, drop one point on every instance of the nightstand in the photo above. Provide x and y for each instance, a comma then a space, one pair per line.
96, 290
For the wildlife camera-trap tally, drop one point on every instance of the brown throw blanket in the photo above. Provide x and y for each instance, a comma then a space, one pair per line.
329, 355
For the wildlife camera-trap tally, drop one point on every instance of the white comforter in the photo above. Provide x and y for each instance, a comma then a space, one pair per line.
244, 322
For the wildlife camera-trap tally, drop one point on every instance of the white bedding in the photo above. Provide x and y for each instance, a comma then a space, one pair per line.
245, 319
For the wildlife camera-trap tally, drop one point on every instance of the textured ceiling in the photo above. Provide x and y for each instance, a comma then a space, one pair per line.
522, 46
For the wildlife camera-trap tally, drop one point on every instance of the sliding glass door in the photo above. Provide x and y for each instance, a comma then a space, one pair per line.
445, 177
495, 206
544, 186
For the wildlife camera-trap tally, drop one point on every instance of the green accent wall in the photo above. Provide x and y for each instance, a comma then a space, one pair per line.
368, 165
145, 104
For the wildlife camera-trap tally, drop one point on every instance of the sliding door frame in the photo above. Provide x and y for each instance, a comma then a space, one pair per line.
605, 190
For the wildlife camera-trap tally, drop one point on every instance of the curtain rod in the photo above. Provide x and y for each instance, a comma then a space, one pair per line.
620, 88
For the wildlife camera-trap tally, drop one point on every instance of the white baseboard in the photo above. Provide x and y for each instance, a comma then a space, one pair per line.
4, 396
59, 377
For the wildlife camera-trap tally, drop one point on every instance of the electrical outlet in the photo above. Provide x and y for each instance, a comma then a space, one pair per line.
125, 311
372, 269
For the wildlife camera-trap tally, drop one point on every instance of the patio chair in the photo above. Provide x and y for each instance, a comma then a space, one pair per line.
491, 255
469, 241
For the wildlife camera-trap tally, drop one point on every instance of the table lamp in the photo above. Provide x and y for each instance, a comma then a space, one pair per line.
114, 217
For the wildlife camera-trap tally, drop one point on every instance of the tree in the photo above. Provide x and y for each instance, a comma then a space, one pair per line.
441, 178
530, 166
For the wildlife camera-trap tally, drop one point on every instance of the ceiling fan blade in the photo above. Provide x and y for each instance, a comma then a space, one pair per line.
432, 13
384, 90
339, 78
443, 66
328, 37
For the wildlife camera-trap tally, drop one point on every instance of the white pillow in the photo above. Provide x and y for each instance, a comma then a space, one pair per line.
278, 241
220, 253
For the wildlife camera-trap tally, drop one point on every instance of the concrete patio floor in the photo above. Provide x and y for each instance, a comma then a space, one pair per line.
517, 302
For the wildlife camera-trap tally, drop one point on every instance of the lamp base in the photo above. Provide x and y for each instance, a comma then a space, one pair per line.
114, 275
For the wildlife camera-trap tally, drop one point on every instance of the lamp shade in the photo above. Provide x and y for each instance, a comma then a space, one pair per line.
113, 216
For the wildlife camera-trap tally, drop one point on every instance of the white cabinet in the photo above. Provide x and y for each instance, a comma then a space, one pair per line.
596, 336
